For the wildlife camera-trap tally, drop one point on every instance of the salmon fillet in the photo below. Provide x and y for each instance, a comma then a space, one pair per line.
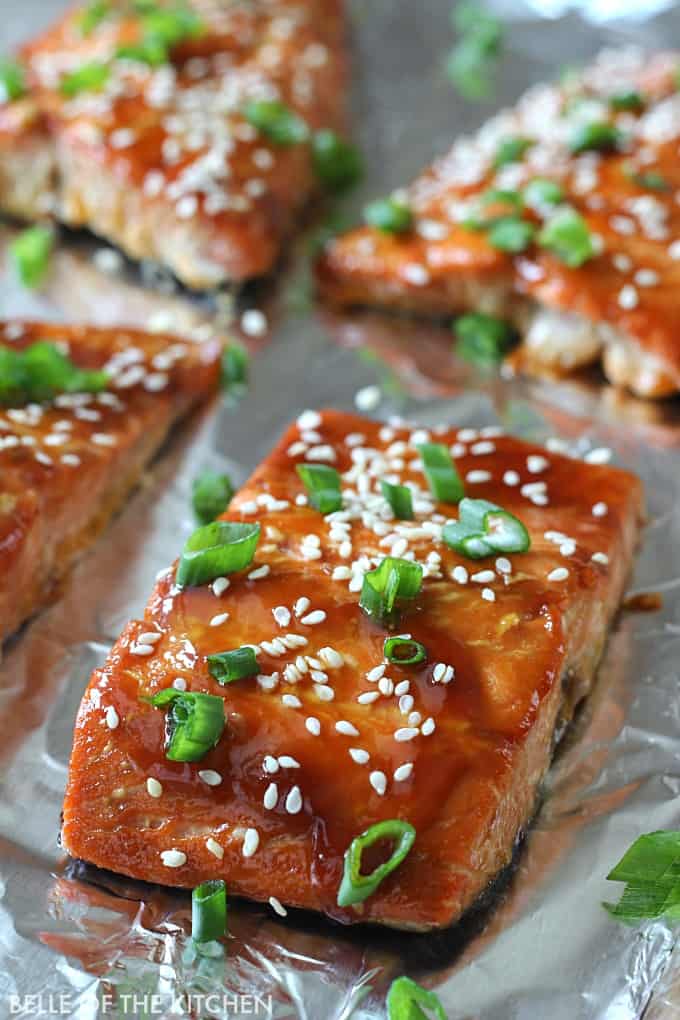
68, 465
609, 138
329, 739
159, 159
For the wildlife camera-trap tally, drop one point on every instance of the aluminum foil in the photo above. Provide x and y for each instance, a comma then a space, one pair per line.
84, 944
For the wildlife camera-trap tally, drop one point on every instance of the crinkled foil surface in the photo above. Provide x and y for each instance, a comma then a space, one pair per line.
85, 944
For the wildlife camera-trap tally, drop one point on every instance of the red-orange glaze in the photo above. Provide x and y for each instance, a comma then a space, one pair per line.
65, 467
474, 777
442, 268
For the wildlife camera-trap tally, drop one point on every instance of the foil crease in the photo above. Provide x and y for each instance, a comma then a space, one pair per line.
84, 944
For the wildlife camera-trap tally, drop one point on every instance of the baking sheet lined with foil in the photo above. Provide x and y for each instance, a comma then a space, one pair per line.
72, 939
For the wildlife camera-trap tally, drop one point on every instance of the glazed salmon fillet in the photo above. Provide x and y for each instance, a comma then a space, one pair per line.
589, 169
153, 151
66, 465
331, 733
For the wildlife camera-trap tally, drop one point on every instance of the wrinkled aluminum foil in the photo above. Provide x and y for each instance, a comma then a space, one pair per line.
84, 944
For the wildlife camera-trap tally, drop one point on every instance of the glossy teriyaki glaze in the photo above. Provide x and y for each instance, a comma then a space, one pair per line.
328, 738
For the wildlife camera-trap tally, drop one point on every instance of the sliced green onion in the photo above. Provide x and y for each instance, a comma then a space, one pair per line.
632, 101
152, 52
337, 163
276, 121
566, 235
483, 339
93, 15
90, 77
542, 191
483, 528
502, 196
31, 252
194, 723
216, 549
399, 498
405, 997
211, 495
392, 580
323, 487
238, 664
650, 180
511, 150
355, 887
209, 911
40, 372
235, 365
596, 136
511, 234
404, 651
493, 206
172, 26
389, 215
12, 81
651, 870
445, 483
471, 63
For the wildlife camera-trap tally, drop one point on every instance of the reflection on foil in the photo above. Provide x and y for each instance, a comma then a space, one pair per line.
81, 943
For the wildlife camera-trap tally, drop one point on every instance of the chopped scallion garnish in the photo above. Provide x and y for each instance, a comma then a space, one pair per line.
405, 997
404, 651
511, 234
209, 911
172, 26
12, 81
31, 252
566, 235
235, 363
471, 63
445, 483
211, 495
483, 339
90, 77
390, 215
651, 870
323, 487
276, 121
511, 150
337, 163
93, 15
194, 723
484, 529
238, 664
152, 52
541, 192
40, 372
649, 179
399, 498
216, 549
595, 136
356, 887
631, 101
393, 580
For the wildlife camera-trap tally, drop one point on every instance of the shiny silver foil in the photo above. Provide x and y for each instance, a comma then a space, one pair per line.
79, 943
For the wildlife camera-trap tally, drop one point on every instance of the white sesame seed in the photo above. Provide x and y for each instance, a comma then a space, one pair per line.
646, 278
173, 858
251, 841
301, 606
406, 703
503, 565
414, 719
483, 576
386, 686
210, 777
141, 650
218, 620
428, 727
270, 764
150, 637
475, 477
291, 701
294, 801
213, 847
378, 781
568, 548
286, 761
368, 697
600, 557
511, 478
331, 657
112, 718
259, 572
403, 772
309, 420
376, 673
311, 619
368, 398
402, 688
153, 787
600, 510
358, 755
537, 463
488, 594
346, 728
460, 575
179, 683
600, 455
277, 907
313, 725
271, 796
282, 616
323, 692
628, 297
254, 322
558, 574
405, 733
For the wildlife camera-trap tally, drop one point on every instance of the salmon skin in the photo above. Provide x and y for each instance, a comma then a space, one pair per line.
330, 738
158, 158
608, 138
67, 465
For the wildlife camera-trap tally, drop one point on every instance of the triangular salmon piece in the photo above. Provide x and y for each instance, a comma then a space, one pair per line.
68, 463
325, 737
157, 156
607, 138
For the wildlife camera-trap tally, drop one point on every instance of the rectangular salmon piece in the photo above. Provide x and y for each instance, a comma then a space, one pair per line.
67, 465
155, 155
603, 147
329, 738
